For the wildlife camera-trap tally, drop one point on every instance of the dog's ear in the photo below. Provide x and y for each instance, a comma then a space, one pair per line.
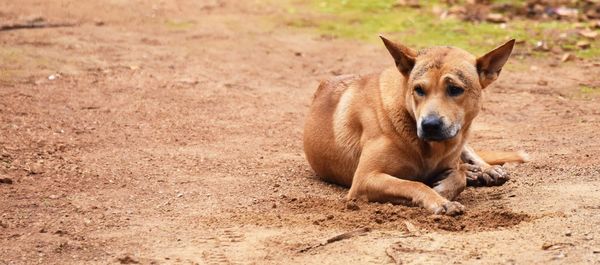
490, 65
403, 56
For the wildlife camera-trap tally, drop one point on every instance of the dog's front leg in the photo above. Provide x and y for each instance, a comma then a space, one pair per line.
382, 187
371, 182
451, 182
480, 173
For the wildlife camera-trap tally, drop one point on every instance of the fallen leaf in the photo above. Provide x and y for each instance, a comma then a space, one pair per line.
566, 12
541, 46
408, 3
496, 18
590, 34
566, 57
582, 44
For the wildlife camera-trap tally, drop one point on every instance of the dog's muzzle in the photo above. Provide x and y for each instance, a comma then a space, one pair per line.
433, 128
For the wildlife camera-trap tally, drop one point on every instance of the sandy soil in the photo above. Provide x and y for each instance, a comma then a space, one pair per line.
171, 134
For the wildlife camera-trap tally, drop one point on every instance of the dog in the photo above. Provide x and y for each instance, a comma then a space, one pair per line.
401, 135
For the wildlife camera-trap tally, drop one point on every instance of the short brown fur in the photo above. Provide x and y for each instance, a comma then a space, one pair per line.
363, 132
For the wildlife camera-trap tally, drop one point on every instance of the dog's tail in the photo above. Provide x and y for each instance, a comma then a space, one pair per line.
500, 158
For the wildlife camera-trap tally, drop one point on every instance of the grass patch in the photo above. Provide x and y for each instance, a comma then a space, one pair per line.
179, 25
419, 28
589, 91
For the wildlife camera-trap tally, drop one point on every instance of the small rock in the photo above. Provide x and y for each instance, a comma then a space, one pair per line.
582, 44
411, 227
568, 233
53, 196
567, 12
596, 251
378, 220
179, 195
541, 46
352, 205
590, 34
496, 18
188, 81
329, 217
274, 206
560, 255
546, 246
6, 181
127, 260
567, 57
53, 77
276, 185
541, 83
35, 169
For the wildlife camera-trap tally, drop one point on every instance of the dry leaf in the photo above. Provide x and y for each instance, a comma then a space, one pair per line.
590, 34
566, 57
582, 44
496, 18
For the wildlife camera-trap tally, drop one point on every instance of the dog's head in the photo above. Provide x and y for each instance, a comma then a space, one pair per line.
445, 84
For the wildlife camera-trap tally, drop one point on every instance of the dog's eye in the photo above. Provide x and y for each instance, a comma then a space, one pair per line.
454, 91
419, 91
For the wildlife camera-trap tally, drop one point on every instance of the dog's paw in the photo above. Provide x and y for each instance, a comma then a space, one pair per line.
450, 208
495, 176
490, 176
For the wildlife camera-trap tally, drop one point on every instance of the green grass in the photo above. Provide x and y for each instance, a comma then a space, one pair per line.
588, 91
179, 25
419, 28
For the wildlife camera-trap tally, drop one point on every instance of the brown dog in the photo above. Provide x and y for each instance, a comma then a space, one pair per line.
401, 136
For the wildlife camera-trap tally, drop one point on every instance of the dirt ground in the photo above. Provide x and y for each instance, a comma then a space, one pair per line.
169, 132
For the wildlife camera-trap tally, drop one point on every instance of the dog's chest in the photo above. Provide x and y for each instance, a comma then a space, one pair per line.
437, 158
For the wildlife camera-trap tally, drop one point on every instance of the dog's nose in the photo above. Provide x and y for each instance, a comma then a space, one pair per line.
432, 125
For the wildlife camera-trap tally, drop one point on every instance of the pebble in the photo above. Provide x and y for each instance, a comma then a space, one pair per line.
6, 181
53, 77
351, 205
560, 255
